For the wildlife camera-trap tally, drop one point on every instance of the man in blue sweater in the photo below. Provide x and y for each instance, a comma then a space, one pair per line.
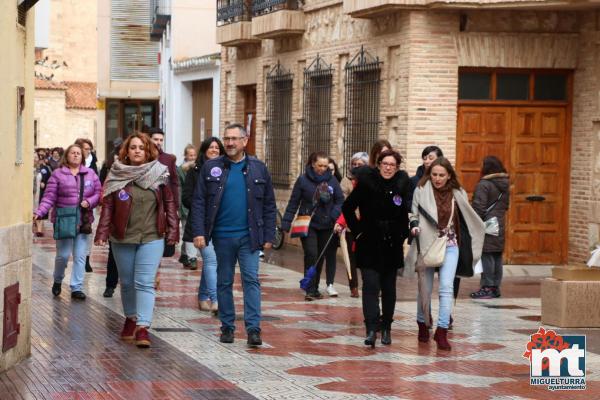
234, 206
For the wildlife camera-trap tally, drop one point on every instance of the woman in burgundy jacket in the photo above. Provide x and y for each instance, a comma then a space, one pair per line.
139, 213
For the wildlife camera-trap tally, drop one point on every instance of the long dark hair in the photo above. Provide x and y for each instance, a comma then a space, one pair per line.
445, 163
336, 170
204, 147
376, 149
492, 165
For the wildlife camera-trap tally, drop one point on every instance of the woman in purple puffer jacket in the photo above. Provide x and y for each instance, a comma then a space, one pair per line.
63, 190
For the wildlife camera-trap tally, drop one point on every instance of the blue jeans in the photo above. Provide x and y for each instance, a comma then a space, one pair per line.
64, 248
208, 280
446, 289
137, 265
229, 251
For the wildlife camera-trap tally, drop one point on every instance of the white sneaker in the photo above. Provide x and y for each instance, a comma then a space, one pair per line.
331, 291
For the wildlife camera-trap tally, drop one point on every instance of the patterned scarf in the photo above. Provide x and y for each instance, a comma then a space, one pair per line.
149, 175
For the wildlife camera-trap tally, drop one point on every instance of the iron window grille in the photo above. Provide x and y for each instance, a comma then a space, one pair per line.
230, 11
279, 125
316, 117
363, 75
261, 7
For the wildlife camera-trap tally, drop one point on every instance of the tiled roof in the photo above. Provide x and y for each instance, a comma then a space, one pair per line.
80, 95
49, 85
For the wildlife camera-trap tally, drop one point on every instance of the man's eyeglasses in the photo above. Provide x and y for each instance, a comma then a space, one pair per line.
233, 138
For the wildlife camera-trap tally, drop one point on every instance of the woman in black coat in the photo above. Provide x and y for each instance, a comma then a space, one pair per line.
491, 199
317, 193
381, 195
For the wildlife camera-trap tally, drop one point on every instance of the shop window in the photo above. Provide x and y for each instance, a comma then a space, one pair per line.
550, 87
474, 86
512, 87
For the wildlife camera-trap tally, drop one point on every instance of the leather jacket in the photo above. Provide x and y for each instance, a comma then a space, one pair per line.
115, 215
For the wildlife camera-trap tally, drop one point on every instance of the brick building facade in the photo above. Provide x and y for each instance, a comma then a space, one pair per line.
427, 52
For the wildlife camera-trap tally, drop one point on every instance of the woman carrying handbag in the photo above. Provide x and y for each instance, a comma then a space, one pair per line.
490, 201
450, 236
317, 198
72, 192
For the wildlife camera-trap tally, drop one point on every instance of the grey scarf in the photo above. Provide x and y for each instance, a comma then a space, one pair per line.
150, 175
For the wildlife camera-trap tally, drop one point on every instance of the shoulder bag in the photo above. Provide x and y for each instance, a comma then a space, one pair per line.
434, 256
492, 226
68, 218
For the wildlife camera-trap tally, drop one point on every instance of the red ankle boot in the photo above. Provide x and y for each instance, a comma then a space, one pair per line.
128, 332
441, 338
423, 332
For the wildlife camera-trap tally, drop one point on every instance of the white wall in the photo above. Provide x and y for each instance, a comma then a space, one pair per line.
42, 24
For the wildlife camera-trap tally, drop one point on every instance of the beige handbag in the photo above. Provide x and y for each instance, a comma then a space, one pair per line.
435, 254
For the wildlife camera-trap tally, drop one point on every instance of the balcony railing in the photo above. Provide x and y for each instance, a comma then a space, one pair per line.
261, 7
230, 11
161, 16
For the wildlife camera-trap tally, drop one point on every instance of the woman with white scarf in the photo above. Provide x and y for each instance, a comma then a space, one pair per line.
139, 213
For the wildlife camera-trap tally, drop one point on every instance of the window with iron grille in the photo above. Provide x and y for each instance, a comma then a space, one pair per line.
279, 125
362, 104
229, 11
316, 125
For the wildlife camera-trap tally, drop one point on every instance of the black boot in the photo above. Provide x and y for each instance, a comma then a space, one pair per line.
386, 336
371, 339
88, 267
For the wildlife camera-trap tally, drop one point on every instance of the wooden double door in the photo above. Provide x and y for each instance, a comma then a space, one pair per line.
533, 144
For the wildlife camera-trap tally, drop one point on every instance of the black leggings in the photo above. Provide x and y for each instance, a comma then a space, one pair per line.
375, 281
313, 245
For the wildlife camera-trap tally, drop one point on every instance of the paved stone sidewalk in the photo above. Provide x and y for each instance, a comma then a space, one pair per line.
312, 350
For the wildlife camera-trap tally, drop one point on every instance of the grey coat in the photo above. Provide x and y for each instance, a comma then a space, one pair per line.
486, 193
423, 196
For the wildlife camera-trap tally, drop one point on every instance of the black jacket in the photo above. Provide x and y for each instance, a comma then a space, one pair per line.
302, 200
187, 192
383, 225
486, 194
414, 181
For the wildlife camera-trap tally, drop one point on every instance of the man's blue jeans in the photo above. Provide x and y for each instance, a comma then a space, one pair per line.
137, 265
229, 251
64, 248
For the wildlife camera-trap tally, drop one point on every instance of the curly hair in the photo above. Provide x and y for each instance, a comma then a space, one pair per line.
149, 147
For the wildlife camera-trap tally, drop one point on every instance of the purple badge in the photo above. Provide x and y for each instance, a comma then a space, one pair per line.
216, 172
397, 200
330, 189
123, 195
88, 183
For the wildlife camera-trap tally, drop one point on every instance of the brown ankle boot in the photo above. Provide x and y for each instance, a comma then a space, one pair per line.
423, 332
441, 338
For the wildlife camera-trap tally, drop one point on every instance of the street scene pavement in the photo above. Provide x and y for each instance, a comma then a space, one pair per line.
312, 350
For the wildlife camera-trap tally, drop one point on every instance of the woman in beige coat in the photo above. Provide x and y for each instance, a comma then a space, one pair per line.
435, 197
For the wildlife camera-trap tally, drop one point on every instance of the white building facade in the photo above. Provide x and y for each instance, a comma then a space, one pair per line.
189, 71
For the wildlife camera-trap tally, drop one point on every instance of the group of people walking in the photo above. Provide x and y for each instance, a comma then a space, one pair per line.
223, 202
378, 209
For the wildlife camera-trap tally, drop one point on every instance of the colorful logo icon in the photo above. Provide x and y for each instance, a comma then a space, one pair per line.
556, 361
